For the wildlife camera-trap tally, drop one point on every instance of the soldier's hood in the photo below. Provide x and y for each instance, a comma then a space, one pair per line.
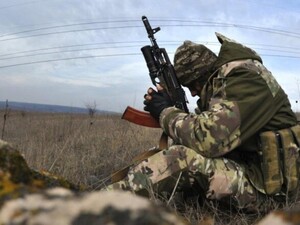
232, 50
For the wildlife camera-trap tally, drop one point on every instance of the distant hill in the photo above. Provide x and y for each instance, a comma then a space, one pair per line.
33, 107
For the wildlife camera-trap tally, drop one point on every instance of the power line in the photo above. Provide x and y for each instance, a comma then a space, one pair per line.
66, 51
211, 23
65, 59
282, 56
113, 47
140, 42
69, 31
110, 55
205, 24
19, 4
263, 29
71, 46
38, 52
67, 25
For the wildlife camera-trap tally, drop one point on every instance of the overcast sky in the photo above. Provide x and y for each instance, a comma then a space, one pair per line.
77, 52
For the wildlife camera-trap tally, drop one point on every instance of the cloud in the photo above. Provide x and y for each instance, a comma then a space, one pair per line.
117, 81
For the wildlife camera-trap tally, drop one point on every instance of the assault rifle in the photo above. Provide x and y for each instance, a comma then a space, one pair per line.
161, 72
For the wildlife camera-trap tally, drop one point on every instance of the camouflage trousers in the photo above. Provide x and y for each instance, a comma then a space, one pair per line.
220, 178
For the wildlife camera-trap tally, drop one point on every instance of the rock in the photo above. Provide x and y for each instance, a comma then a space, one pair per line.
17, 179
62, 207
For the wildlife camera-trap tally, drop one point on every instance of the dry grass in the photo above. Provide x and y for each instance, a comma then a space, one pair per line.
86, 150
75, 146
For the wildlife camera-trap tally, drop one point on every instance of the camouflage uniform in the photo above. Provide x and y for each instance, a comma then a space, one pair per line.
218, 177
218, 148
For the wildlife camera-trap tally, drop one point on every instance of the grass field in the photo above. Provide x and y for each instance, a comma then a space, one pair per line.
86, 150
76, 146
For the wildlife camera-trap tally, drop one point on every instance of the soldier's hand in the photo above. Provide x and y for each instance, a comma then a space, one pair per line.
156, 101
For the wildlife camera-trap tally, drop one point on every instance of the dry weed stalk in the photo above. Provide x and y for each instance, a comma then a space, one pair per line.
5, 116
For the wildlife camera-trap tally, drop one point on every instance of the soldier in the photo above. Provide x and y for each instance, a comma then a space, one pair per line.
242, 143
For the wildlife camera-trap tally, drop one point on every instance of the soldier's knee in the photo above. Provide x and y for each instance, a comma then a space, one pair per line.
219, 186
231, 185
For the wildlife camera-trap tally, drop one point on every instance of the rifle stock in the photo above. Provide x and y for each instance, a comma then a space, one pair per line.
139, 117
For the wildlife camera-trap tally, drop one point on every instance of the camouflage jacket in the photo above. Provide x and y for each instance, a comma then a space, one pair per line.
240, 100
